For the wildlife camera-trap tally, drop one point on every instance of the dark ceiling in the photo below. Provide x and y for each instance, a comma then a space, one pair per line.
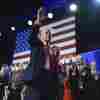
26, 7
89, 26
7, 40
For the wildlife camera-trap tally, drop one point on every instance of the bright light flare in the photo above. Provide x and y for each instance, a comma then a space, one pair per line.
29, 22
13, 28
73, 7
96, 3
50, 15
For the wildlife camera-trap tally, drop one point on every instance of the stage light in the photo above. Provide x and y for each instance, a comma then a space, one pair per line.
98, 1
50, 15
29, 22
73, 7
13, 28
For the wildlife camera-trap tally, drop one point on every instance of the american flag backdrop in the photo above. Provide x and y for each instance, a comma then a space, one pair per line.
63, 35
22, 51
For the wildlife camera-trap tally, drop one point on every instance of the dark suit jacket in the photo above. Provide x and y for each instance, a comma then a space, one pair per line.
43, 81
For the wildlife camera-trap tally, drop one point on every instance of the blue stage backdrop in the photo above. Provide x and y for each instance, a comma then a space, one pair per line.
97, 57
92, 56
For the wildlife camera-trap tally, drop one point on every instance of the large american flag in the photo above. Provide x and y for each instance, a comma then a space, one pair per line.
63, 35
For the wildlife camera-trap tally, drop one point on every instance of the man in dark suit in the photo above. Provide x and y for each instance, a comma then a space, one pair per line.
43, 80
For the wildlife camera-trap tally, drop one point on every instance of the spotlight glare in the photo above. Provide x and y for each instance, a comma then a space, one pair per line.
13, 28
73, 7
98, 1
50, 15
29, 22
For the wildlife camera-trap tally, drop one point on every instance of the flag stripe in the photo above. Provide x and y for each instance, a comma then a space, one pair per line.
58, 23
22, 53
70, 46
62, 40
63, 33
65, 43
64, 24
22, 60
23, 56
68, 51
65, 28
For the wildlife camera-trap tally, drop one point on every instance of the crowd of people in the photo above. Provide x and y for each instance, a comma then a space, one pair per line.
50, 83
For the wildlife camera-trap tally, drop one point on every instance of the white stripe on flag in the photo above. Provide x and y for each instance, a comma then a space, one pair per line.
65, 28
67, 20
22, 53
63, 36
22, 60
65, 43
68, 51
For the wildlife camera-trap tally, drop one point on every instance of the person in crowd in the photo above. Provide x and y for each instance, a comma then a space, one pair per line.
14, 91
3, 84
26, 93
93, 68
85, 75
67, 85
74, 80
58, 71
